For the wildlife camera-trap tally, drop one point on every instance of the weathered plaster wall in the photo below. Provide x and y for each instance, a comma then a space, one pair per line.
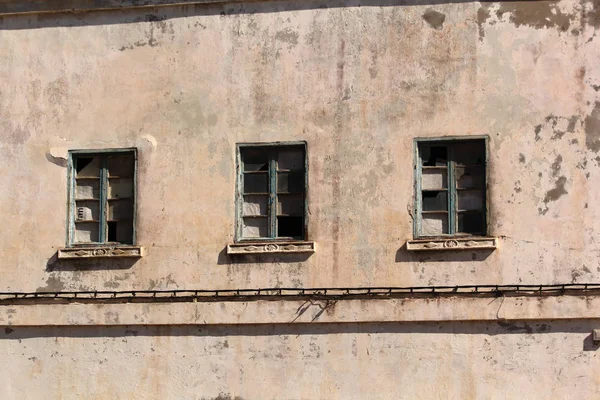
542, 360
358, 82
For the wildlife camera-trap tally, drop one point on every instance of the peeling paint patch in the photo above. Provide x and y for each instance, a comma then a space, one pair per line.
554, 194
518, 187
535, 14
223, 396
556, 165
559, 125
559, 133
538, 129
57, 156
592, 129
53, 284
483, 14
287, 35
435, 19
592, 16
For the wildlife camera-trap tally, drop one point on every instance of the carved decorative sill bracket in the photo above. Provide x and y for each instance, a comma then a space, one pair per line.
271, 247
100, 252
452, 244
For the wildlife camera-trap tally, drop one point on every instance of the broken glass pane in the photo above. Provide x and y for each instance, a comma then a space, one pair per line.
290, 204
471, 222
86, 232
290, 182
124, 232
255, 159
434, 179
290, 227
254, 227
469, 153
87, 167
120, 188
121, 167
120, 210
435, 201
470, 200
87, 210
434, 156
87, 189
434, 224
469, 177
256, 205
292, 159
256, 183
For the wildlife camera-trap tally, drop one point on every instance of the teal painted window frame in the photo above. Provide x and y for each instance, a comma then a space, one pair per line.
71, 206
272, 148
449, 142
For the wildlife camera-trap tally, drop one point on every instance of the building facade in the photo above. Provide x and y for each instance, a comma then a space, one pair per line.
379, 199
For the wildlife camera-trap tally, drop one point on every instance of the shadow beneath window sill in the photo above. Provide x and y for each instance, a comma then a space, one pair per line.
265, 258
459, 255
89, 264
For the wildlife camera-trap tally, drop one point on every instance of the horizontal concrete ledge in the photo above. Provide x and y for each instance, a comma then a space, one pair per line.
452, 244
14, 7
271, 247
101, 252
303, 311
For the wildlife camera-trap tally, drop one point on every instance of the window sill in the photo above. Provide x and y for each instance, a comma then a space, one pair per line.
101, 252
271, 247
459, 243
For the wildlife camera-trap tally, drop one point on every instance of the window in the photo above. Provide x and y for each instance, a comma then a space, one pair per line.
101, 197
451, 188
271, 200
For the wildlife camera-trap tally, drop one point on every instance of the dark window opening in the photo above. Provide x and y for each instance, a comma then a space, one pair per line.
435, 156
290, 227
452, 188
112, 231
102, 198
82, 162
272, 192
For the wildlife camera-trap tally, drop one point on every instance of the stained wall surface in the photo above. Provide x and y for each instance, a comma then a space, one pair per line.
358, 81
548, 359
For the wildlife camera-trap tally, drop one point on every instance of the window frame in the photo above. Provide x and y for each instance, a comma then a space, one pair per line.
271, 216
452, 193
71, 206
